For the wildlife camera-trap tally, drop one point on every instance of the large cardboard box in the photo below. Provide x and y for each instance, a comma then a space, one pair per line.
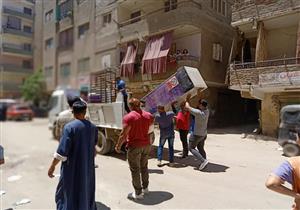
187, 80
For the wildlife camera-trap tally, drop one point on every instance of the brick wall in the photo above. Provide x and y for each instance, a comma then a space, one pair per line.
246, 76
261, 8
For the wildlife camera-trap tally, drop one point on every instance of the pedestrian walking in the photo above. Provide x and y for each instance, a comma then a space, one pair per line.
135, 132
199, 134
76, 151
166, 128
183, 126
288, 171
65, 116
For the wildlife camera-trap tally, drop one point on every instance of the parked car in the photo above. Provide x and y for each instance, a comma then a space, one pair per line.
289, 130
4, 104
19, 112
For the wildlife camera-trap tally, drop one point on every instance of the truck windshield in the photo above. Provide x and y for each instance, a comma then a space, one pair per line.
53, 102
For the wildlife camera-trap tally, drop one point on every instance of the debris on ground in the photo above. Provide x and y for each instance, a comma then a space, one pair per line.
14, 178
2, 192
22, 202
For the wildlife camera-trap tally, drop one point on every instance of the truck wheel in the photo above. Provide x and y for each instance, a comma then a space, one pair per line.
291, 150
104, 145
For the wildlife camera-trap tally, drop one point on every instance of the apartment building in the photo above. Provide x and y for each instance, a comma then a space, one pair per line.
83, 36
265, 64
151, 39
16, 45
68, 42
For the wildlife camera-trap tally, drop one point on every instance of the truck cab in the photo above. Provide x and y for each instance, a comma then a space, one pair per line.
58, 103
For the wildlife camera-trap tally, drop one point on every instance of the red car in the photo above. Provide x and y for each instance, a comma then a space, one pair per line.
19, 112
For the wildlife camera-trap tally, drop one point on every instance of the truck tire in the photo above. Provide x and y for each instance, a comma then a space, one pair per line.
291, 149
104, 145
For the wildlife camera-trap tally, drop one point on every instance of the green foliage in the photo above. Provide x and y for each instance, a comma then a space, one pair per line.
34, 87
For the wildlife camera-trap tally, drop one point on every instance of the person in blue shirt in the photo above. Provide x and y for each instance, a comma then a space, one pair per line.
166, 127
76, 151
121, 87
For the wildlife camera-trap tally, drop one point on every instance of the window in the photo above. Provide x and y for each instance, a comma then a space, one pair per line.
216, 5
223, 8
219, 6
66, 39
27, 11
13, 23
49, 43
170, 5
27, 29
65, 9
49, 16
106, 19
83, 30
65, 70
135, 17
48, 71
217, 52
27, 47
27, 64
84, 65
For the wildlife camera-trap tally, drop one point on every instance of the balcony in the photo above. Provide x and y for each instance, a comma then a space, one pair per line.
15, 68
16, 32
17, 13
16, 49
187, 12
271, 75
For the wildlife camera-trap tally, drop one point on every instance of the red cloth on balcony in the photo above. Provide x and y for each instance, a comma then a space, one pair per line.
127, 65
155, 56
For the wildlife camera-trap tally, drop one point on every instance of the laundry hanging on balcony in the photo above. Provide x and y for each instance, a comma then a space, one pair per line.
127, 65
155, 56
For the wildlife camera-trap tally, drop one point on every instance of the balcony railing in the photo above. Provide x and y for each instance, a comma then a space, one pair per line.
277, 62
15, 68
178, 5
16, 49
17, 13
16, 32
257, 73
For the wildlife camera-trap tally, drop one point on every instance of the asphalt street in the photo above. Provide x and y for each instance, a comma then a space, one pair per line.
234, 178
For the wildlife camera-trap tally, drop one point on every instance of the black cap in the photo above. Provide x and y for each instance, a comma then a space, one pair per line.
79, 107
72, 99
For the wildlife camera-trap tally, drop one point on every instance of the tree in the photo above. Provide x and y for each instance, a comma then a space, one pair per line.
33, 88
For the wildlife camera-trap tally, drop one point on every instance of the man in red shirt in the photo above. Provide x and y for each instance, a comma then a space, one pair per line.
183, 126
135, 132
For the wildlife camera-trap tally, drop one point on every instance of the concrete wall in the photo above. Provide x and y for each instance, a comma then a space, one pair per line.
249, 8
282, 42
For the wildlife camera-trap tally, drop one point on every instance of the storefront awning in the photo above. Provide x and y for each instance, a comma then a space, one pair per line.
155, 56
127, 65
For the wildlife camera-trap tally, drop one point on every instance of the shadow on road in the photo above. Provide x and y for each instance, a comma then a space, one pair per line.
155, 171
101, 206
215, 168
154, 198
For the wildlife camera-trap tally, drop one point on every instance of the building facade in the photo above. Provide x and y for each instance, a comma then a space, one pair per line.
84, 36
16, 45
266, 56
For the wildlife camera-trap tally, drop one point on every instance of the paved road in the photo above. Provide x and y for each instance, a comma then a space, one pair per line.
234, 179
